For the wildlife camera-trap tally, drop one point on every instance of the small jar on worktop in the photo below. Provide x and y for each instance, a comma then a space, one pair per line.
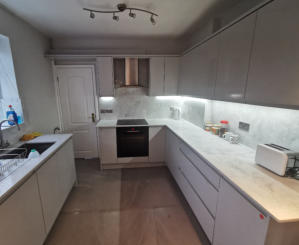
224, 128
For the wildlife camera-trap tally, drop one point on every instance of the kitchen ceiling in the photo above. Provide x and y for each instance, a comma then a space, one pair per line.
65, 18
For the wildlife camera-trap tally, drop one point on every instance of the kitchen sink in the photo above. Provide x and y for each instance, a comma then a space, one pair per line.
23, 150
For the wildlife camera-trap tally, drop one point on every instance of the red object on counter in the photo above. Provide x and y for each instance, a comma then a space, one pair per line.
224, 122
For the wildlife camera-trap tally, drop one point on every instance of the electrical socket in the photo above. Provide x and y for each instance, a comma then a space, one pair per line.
244, 126
106, 111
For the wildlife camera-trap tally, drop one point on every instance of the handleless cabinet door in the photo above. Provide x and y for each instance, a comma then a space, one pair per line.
171, 75
234, 54
274, 75
105, 74
157, 76
56, 178
237, 220
205, 69
21, 215
186, 75
108, 146
199, 70
156, 144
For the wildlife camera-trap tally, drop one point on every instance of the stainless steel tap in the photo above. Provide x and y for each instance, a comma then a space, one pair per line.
2, 143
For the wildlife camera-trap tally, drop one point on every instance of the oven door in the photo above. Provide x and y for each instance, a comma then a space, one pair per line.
132, 141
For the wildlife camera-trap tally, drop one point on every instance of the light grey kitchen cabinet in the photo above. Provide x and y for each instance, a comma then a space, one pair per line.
237, 220
274, 75
171, 75
105, 75
156, 144
108, 148
164, 75
21, 215
55, 182
200, 194
172, 154
207, 68
156, 76
199, 70
186, 74
234, 54
202, 214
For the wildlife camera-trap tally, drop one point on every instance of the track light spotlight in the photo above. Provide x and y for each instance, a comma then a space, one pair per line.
122, 7
132, 15
92, 15
115, 17
153, 20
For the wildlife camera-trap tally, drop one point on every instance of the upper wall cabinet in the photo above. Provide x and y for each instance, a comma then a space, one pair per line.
199, 70
156, 76
171, 75
105, 75
234, 54
164, 72
274, 73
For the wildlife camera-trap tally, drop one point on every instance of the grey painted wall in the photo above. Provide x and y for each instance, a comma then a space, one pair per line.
33, 72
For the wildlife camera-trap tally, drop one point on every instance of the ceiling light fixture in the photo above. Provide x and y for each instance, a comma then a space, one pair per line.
115, 17
92, 15
153, 20
132, 15
121, 8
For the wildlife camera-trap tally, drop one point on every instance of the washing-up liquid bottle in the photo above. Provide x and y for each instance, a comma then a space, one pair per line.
11, 115
33, 154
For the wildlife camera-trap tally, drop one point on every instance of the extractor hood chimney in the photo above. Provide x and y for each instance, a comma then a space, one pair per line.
131, 72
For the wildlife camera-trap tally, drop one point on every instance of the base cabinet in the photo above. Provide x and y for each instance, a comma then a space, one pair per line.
108, 149
55, 179
237, 220
156, 144
224, 214
21, 215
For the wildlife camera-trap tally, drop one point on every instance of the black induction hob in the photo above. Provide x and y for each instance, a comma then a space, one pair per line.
132, 122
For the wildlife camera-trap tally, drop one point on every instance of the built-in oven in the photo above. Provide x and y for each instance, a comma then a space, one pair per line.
132, 141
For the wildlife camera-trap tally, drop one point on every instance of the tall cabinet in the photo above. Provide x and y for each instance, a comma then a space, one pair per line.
274, 75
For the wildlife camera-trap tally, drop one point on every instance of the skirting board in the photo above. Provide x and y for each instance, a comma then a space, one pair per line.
132, 165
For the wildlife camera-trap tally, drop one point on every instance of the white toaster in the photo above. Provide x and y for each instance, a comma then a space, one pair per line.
276, 158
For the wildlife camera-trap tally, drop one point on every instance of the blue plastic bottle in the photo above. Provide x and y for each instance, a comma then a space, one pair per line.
11, 115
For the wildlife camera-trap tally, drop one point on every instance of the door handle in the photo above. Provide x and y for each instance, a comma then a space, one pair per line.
93, 117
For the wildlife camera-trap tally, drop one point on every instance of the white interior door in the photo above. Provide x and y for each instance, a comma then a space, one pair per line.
76, 87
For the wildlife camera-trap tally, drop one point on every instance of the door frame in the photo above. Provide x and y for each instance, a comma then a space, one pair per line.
57, 94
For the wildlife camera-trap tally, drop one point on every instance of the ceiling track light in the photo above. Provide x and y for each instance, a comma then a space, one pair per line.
132, 15
153, 21
115, 17
121, 8
92, 15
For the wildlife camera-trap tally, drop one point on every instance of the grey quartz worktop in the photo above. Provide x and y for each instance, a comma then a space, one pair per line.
16, 178
278, 196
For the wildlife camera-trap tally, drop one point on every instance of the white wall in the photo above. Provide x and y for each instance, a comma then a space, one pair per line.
33, 72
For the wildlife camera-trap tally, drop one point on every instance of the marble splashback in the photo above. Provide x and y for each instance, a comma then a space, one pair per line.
267, 124
137, 106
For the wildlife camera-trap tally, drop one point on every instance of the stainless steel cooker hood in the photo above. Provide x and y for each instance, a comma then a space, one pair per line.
131, 72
